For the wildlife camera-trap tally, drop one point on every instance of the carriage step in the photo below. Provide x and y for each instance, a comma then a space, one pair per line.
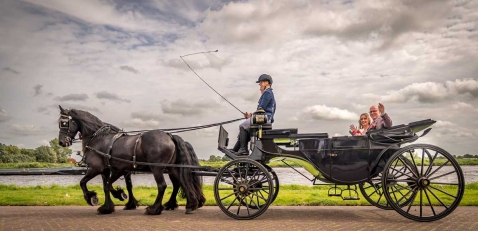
334, 191
350, 193
334, 195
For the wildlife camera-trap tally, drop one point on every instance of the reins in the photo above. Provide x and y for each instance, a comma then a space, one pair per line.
169, 130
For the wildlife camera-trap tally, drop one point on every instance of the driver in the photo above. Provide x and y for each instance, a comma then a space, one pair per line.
267, 103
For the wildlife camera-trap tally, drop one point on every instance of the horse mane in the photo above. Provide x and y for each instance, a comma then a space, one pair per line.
89, 122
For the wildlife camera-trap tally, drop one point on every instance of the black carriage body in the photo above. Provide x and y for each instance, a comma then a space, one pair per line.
343, 160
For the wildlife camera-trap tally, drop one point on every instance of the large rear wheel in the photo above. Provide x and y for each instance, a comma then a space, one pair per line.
426, 175
243, 189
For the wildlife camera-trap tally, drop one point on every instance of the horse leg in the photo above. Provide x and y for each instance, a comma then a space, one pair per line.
172, 204
157, 207
90, 196
117, 193
108, 207
132, 202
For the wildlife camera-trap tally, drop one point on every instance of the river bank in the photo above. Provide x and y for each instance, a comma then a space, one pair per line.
286, 176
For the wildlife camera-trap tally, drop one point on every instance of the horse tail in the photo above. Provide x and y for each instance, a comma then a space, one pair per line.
197, 179
191, 184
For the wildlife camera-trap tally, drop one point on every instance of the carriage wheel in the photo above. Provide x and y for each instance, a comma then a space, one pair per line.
275, 182
373, 193
429, 176
372, 190
240, 184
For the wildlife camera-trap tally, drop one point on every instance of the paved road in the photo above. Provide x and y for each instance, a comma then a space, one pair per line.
330, 218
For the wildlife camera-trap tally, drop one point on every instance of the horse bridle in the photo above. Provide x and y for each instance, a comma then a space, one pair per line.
64, 123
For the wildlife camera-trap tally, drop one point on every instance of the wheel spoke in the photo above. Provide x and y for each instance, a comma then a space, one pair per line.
413, 160
253, 202
445, 174
430, 203
244, 201
261, 196
408, 167
232, 175
432, 161
441, 166
445, 183
403, 180
421, 203
414, 177
225, 189
431, 186
399, 191
441, 202
234, 193
235, 199
423, 158
405, 196
411, 202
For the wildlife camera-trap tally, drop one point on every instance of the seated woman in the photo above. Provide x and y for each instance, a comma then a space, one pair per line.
364, 125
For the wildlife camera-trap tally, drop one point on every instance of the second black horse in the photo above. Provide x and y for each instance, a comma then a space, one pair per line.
112, 154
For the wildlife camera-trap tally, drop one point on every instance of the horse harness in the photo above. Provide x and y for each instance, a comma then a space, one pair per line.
135, 163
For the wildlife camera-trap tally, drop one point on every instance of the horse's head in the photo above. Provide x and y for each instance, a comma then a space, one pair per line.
68, 128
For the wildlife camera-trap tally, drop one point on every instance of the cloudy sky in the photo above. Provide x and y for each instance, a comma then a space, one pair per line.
330, 61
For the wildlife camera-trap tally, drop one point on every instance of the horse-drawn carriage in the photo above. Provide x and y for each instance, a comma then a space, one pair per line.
421, 182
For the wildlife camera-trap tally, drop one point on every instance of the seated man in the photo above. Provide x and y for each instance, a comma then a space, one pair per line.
267, 103
380, 118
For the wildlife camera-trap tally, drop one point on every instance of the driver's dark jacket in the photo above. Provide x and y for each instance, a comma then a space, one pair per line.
268, 103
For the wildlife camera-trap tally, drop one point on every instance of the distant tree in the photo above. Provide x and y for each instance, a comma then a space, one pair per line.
45, 154
225, 158
468, 156
63, 153
213, 158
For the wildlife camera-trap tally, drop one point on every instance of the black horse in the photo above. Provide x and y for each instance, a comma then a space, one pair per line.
112, 154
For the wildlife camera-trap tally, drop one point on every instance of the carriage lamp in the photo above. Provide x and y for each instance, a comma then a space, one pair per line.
259, 117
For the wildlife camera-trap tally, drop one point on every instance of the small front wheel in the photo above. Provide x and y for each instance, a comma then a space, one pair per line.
243, 189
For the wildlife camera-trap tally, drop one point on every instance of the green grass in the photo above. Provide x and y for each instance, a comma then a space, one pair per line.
290, 195
35, 165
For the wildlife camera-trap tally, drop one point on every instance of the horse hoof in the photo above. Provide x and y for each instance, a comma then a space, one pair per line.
124, 196
152, 211
94, 201
189, 211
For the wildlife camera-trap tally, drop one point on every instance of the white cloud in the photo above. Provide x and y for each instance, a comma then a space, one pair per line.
103, 13
429, 92
26, 130
419, 54
188, 108
4, 116
322, 112
137, 123
209, 132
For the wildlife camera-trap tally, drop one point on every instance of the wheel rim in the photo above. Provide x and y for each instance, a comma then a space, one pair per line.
243, 189
428, 177
373, 192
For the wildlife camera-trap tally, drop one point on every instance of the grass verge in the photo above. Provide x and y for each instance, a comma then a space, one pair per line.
289, 195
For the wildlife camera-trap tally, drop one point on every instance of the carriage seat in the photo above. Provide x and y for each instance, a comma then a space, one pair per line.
278, 133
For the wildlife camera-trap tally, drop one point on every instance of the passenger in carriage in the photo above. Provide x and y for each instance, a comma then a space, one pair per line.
364, 125
380, 118
267, 103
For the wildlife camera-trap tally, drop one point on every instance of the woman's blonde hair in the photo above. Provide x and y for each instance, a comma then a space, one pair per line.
368, 119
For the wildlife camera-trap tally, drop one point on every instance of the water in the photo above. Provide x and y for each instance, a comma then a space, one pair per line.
286, 176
